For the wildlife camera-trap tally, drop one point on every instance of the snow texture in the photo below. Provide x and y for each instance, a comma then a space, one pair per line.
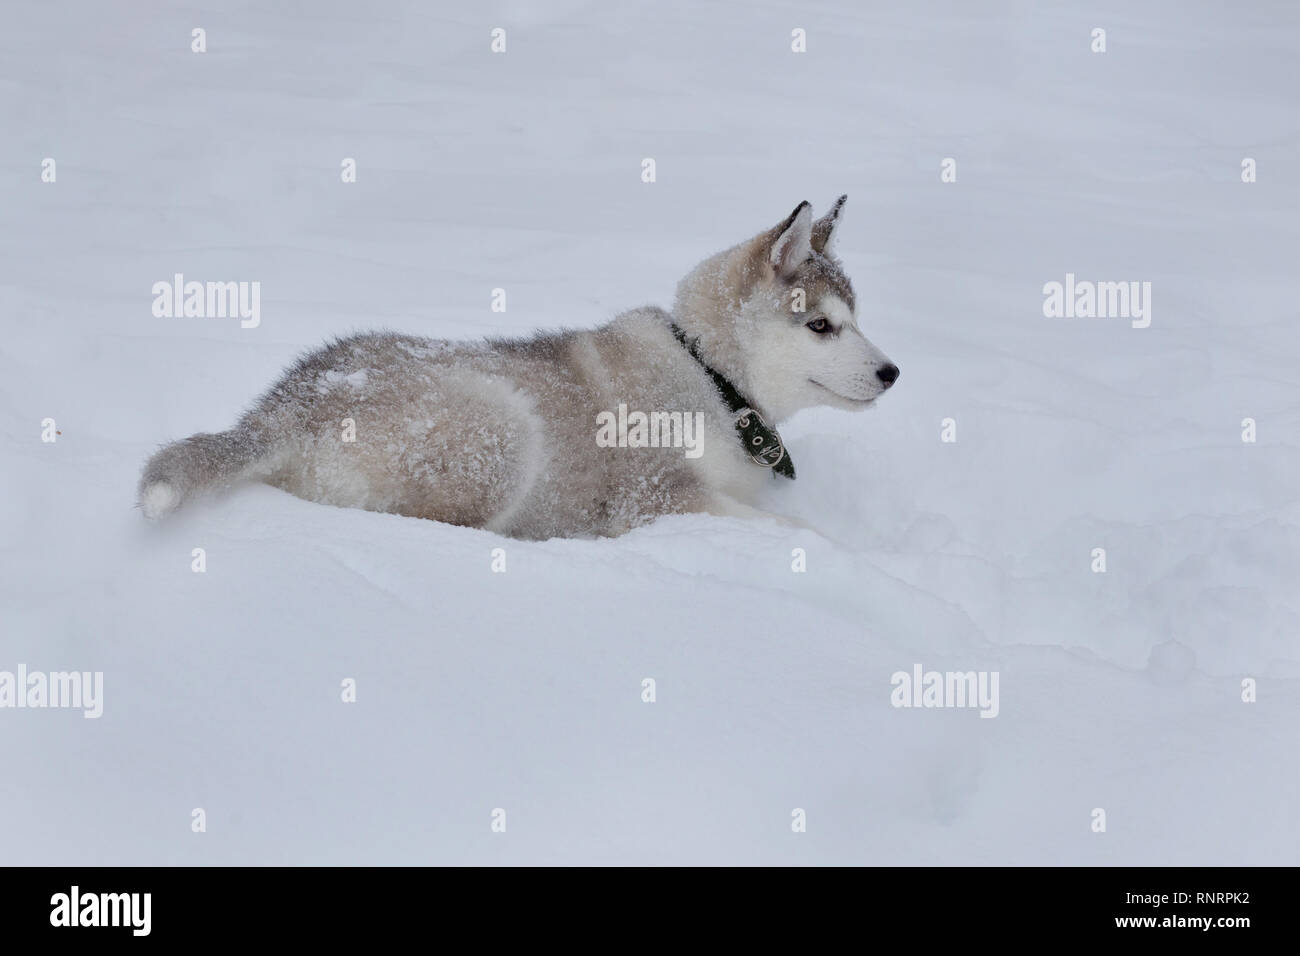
522, 690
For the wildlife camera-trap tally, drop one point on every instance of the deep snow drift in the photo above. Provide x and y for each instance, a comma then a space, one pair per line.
523, 690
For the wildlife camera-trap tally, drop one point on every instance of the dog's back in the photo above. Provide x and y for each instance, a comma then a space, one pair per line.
498, 434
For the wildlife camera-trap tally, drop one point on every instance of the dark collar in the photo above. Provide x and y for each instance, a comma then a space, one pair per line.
759, 440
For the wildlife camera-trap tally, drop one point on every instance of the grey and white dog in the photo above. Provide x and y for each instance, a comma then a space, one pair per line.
533, 438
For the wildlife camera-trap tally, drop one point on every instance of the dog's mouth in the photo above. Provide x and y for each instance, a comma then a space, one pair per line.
847, 398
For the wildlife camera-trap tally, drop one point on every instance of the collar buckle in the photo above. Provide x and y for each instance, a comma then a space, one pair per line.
762, 443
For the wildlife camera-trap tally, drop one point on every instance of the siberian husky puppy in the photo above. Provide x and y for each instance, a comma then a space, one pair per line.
565, 433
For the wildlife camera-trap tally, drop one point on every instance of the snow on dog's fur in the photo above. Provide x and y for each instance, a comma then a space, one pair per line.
502, 434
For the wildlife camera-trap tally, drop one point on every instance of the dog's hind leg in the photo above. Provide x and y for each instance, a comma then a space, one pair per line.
474, 455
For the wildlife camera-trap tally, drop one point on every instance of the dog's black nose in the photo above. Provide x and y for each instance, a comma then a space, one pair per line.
887, 374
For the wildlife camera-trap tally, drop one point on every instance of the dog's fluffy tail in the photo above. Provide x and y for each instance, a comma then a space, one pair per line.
195, 465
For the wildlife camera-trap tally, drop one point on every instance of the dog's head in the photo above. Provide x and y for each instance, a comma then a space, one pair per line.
794, 339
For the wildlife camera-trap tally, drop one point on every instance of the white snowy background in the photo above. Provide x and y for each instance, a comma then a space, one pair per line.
522, 690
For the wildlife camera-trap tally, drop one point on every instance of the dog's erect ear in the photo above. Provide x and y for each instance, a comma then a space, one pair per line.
791, 242
823, 230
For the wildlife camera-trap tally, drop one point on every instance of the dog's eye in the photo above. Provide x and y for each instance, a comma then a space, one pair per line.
819, 325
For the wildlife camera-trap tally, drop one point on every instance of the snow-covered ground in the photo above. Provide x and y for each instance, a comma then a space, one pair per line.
523, 691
